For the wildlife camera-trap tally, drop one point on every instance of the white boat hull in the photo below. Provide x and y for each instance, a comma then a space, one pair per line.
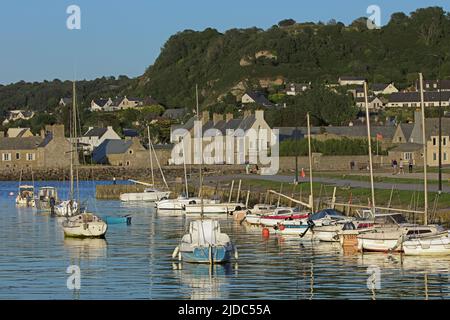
145, 196
438, 245
79, 227
380, 245
213, 209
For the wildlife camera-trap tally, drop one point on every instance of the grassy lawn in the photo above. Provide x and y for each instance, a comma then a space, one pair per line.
393, 179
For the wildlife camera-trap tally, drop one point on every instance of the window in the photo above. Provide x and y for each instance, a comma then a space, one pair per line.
434, 156
407, 155
445, 156
399, 139
434, 141
17, 156
130, 152
128, 163
6, 156
31, 156
444, 141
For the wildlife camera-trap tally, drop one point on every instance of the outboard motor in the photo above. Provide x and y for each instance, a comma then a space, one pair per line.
349, 226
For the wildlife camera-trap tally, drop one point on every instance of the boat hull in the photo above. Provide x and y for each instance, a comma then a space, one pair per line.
86, 230
212, 209
439, 245
144, 196
216, 254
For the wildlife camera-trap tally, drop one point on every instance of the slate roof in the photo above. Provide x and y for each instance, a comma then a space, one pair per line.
28, 143
407, 129
99, 155
400, 97
259, 99
130, 133
95, 132
100, 102
378, 86
407, 147
174, 113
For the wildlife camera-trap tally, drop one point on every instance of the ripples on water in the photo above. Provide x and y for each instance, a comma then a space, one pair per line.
134, 262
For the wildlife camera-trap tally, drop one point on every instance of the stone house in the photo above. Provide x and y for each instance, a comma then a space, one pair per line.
256, 98
129, 153
100, 104
383, 88
19, 133
51, 149
240, 132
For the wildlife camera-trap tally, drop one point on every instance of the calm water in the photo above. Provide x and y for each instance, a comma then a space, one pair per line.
134, 262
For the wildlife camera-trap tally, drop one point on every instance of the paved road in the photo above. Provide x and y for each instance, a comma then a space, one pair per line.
333, 181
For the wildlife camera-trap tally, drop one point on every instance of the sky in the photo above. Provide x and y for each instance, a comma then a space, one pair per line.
119, 37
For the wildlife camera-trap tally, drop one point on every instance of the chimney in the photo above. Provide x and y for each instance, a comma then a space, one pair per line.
57, 130
217, 117
259, 114
90, 128
418, 117
205, 117
42, 133
228, 117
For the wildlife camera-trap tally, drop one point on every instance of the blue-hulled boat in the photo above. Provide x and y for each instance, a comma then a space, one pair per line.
205, 244
118, 220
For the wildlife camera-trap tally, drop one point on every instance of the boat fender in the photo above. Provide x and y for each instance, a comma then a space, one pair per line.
175, 252
349, 226
236, 255
282, 227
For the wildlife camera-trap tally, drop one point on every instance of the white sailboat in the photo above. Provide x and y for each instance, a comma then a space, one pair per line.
150, 194
84, 225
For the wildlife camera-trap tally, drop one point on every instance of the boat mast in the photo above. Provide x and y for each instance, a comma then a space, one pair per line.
425, 160
200, 190
311, 200
72, 140
150, 154
369, 141
185, 172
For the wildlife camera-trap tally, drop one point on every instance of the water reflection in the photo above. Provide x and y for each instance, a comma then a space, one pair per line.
204, 282
88, 249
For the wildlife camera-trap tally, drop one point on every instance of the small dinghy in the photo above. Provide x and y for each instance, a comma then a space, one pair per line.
205, 243
118, 219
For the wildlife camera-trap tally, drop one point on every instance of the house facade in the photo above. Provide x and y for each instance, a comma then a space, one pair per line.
412, 99
243, 141
15, 115
383, 88
351, 81
256, 98
49, 150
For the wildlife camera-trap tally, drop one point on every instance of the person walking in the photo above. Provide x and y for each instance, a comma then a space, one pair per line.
401, 167
410, 166
394, 166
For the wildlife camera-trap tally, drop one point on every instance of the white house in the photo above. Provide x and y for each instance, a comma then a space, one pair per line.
294, 89
383, 88
374, 103
95, 136
412, 99
100, 104
15, 115
433, 85
350, 80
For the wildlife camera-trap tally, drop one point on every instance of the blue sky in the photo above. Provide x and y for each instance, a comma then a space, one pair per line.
124, 37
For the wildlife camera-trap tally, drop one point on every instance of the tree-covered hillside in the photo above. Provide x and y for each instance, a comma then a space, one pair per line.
224, 65
242, 58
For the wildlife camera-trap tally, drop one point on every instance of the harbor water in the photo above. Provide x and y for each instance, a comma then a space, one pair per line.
135, 261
